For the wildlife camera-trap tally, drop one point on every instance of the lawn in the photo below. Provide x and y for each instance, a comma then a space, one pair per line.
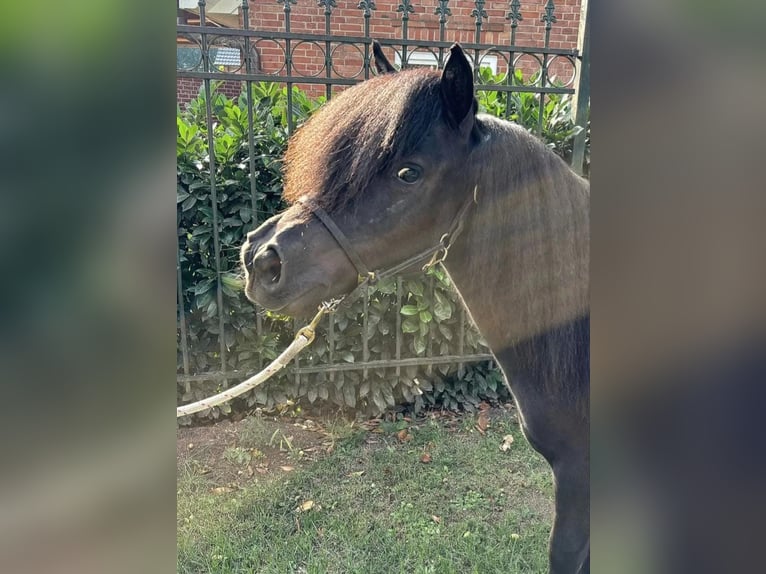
436, 494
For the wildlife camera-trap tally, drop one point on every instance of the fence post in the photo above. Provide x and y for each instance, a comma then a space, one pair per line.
213, 191
582, 96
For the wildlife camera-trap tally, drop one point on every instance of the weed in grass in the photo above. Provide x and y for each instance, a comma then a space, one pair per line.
393, 427
254, 432
237, 455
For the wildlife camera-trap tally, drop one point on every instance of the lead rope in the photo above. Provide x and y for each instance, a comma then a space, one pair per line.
305, 336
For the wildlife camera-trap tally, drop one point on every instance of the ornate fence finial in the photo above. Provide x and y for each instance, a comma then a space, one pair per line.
328, 5
286, 4
443, 11
514, 15
406, 9
367, 6
479, 12
548, 16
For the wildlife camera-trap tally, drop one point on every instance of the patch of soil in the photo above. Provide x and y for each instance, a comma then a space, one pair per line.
231, 454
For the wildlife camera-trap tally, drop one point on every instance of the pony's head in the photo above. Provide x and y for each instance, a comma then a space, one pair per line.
386, 161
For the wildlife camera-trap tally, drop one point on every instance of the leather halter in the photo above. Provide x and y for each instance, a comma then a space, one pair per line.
437, 253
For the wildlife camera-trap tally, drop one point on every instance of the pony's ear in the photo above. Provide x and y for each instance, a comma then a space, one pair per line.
382, 65
457, 86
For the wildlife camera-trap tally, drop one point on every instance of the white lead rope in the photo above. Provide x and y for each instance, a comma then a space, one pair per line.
303, 339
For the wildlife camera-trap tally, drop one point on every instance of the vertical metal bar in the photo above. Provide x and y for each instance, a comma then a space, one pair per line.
296, 361
250, 123
213, 192
251, 146
367, 6
549, 18
288, 64
328, 6
398, 326
406, 9
259, 332
541, 109
515, 16
479, 14
443, 11
365, 325
182, 318
461, 342
430, 345
583, 99
331, 341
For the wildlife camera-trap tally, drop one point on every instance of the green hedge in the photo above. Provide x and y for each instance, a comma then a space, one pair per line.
430, 314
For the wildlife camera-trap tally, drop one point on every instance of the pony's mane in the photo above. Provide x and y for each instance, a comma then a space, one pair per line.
357, 135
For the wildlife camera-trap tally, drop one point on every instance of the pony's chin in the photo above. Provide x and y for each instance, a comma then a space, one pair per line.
299, 306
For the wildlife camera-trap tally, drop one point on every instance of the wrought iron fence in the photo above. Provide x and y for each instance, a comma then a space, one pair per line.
246, 55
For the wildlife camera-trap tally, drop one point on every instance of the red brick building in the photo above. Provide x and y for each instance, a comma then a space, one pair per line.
423, 22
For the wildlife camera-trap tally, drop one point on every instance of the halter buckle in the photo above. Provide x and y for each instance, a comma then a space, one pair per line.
441, 254
370, 278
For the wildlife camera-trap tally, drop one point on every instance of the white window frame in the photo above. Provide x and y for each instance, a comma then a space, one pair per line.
430, 60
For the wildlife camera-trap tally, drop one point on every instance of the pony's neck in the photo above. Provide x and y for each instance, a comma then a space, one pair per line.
521, 263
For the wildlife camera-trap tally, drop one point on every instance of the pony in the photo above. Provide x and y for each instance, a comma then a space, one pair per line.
400, 162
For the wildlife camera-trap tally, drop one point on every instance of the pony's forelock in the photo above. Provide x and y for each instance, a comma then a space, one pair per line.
335, 155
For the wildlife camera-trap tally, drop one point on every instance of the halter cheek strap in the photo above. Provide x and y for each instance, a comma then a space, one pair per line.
436, 253
343, 241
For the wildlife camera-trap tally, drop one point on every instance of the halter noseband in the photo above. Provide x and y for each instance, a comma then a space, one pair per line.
437, 253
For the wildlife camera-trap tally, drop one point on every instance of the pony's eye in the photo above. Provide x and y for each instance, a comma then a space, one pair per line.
409, 174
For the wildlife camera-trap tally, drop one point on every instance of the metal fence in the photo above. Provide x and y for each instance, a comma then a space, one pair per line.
239, 54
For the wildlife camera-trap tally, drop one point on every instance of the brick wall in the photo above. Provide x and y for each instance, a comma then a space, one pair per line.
308, 17
386, 23
188, 88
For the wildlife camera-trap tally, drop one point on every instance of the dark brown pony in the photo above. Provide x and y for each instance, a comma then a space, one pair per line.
390, 163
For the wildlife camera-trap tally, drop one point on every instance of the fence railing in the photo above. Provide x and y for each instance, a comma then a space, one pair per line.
328, 60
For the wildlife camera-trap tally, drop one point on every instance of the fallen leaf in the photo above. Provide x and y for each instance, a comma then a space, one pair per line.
402, 435
436, 519
306, 506
287, 468
357, 473
425, 458
507, 442
249, 470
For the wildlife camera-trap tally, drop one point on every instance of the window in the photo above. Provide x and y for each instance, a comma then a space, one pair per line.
429, 60
189, 57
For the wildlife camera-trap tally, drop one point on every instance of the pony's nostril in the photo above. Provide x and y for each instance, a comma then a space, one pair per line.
268, 266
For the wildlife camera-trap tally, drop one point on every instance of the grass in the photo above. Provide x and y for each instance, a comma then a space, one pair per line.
378, 509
